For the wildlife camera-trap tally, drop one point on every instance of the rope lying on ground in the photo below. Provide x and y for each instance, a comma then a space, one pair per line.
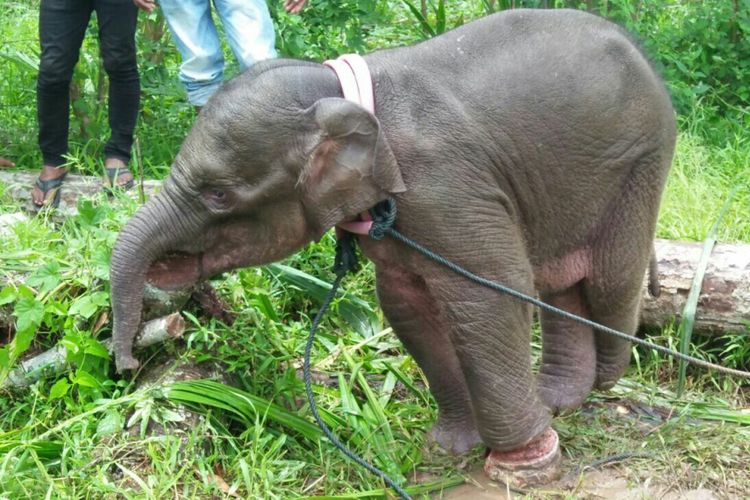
346, 261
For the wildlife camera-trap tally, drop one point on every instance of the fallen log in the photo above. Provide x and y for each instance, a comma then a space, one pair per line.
53, 360
724, 302
19, 184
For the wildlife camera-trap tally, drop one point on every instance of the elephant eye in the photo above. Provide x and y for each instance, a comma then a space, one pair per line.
216, 197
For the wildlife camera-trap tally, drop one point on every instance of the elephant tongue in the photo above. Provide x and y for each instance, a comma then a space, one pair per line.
175, 271
361, 226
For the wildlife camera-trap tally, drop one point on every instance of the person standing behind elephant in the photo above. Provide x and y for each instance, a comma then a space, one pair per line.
62, 26
248, 28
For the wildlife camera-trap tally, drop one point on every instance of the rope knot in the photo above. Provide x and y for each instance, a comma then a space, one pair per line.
346, 255
383, 217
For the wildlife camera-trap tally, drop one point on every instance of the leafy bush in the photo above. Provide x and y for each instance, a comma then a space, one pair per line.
325, 29
703, 48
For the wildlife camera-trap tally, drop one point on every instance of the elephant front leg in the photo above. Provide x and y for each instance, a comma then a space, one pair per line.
414, 316
491, 333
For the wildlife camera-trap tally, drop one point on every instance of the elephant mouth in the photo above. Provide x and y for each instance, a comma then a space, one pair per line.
175, 271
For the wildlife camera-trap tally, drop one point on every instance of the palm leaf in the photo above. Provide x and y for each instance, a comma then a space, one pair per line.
426, 28
356, 312
244, 406
691, 304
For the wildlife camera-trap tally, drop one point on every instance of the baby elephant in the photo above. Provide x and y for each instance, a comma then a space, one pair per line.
531, 147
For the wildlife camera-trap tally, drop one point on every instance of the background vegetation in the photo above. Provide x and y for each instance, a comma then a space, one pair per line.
63, 437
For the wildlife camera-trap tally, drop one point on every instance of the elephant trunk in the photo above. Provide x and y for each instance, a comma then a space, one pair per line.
157, 227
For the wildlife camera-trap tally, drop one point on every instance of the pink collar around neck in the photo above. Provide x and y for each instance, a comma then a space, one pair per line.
356, 83
354, 77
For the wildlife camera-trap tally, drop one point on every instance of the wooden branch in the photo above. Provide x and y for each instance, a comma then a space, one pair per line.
53, 360
724, 303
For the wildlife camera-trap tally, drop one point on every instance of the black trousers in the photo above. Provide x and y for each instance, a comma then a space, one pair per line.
62, 26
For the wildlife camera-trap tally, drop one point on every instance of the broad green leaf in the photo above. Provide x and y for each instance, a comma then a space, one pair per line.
111, 423
23, 340
87, 305
95, 348
4, 357
59, 389
46, 277
7, 295
88, 213
83, 306
56, 307
85, 379
29, 312
100, 263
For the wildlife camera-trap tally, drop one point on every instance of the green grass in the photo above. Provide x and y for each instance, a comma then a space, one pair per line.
702, 176
91, 434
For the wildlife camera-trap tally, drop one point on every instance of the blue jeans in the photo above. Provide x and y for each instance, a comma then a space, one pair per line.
248, 28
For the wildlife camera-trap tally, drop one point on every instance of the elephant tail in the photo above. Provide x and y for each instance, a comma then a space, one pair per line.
654, 288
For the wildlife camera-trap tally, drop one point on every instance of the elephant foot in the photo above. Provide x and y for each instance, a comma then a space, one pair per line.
607, 375
125, 362
455, 438
561, 398
536, 463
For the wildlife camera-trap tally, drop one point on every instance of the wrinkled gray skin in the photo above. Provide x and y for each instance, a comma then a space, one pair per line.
531, 147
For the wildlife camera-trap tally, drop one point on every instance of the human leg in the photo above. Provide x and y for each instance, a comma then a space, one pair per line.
196, 38
117, 22
249, 30
62, 25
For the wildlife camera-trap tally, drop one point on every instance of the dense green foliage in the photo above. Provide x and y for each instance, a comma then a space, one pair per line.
54, 287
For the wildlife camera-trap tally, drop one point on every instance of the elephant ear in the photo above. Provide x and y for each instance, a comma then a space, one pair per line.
351, 165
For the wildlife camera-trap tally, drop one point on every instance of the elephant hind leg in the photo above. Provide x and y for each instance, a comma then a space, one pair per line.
612, 353
613, 294
619, 259
568, 368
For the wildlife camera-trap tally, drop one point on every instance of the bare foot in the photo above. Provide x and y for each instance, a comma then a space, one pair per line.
535, 463
49, 172
118, 174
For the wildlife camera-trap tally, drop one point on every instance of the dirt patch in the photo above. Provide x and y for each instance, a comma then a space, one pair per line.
610, 484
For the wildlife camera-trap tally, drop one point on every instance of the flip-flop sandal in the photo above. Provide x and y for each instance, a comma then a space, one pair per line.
113, 173
51, 191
